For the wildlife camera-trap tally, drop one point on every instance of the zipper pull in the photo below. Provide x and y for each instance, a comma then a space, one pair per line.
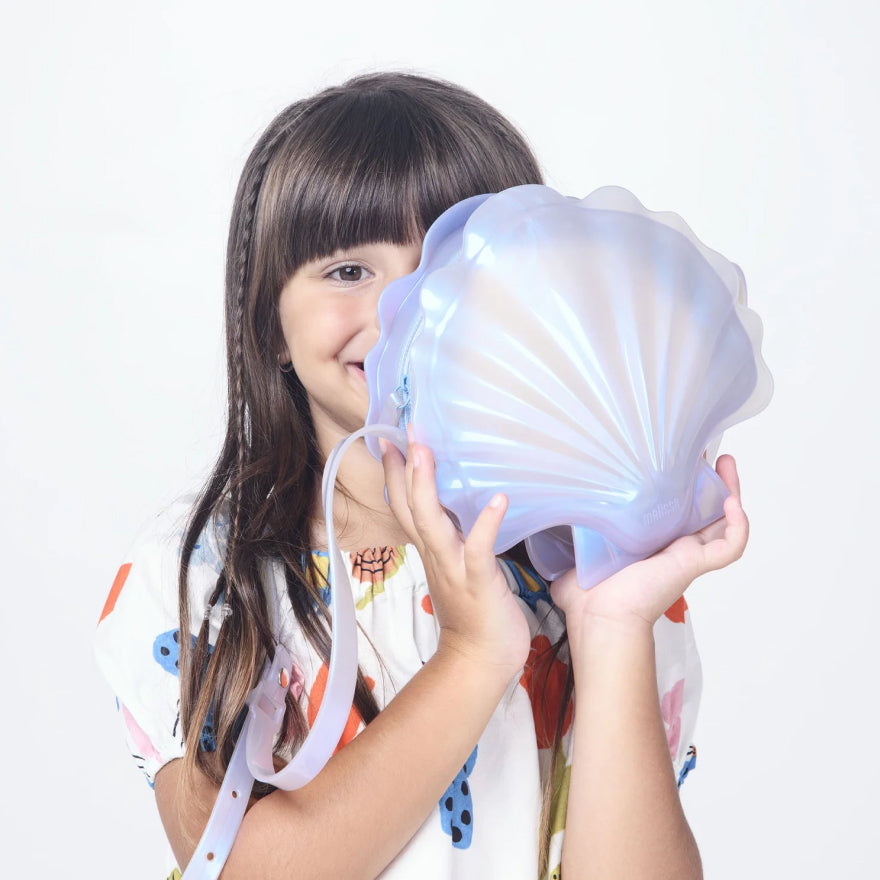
400, 397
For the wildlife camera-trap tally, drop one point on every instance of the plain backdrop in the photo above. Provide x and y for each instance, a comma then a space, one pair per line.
125, 127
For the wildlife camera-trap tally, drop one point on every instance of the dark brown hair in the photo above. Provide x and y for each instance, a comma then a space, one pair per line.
378, 158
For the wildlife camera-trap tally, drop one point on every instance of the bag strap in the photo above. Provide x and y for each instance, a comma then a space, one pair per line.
252, 757
266, 699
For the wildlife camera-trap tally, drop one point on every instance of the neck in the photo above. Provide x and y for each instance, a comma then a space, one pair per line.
360, 514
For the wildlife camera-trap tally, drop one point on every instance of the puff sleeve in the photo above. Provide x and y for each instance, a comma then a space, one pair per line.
137, 642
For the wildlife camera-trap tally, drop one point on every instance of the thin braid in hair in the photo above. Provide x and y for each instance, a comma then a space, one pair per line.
237, 373
240, 408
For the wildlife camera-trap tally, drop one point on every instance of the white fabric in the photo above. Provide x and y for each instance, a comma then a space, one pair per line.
135, 649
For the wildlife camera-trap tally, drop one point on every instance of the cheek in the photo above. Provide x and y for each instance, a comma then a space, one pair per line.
316, 328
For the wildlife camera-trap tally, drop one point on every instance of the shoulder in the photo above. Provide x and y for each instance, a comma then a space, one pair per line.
137, 641
146, 582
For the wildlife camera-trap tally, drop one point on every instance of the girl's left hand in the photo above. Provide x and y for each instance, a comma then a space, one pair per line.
641, 592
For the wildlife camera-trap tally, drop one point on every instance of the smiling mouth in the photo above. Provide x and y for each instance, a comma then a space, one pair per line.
358, 367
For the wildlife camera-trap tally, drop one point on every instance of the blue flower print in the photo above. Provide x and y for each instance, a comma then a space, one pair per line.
166, 652
457, 806
529, 584
689, 764
207, 743
211, 545
324, 591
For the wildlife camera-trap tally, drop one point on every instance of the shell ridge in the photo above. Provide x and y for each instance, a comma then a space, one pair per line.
555, 421
586, 360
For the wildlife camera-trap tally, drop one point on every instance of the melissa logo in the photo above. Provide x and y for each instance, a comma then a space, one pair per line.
661, 511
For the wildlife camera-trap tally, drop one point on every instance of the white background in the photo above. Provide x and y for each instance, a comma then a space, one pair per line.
125, 127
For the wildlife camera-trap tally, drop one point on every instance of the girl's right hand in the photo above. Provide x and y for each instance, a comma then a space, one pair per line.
477, 613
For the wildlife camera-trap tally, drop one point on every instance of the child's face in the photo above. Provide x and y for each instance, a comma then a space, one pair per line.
329, 318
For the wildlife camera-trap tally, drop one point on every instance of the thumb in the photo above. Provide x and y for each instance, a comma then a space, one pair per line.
479, 546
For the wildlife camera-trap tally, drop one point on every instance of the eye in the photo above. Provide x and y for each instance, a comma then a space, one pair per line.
350, 273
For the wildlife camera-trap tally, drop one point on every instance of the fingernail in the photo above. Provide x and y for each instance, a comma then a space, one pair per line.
417, 459
497, 500
383, 445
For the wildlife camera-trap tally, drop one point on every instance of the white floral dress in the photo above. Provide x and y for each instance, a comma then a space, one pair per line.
485, 824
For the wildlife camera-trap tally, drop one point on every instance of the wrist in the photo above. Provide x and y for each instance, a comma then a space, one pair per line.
597, 634
468, 658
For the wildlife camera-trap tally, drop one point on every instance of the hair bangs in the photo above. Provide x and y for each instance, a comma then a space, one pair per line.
377, 166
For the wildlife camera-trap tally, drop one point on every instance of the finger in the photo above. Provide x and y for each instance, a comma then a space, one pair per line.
713, 531
726, 469
412, 457
479, 548
722, 551
395, 486
429, 517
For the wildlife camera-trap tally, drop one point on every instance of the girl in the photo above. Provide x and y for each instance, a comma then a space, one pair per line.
507, 726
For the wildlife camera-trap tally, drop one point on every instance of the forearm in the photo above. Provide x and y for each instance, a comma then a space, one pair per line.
624, 815
373, 795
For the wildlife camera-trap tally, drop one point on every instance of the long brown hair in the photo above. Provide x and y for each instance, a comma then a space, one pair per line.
378, 158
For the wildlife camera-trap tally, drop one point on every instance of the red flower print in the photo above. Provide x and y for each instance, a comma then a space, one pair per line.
544, 680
